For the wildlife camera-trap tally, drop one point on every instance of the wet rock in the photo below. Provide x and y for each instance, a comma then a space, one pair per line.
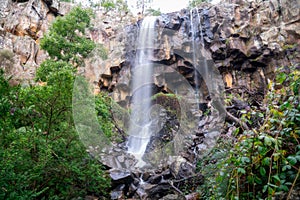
166, 174
157, 191
242, 38
131, 191
186, 170
181, 168
146, 176
156, 179
118, 193
120, 176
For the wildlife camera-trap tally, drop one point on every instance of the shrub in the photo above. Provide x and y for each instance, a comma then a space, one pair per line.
266, 160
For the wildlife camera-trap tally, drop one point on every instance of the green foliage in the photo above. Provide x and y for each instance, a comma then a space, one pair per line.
71, 1
195, 3
41, 154
143, 5
65, 40
215, 170
108, 5
103, 109
122, 5
100, 51
266, 161
118, 5
169, 101
153, 12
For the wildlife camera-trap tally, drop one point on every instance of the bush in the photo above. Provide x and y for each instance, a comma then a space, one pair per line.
266, 160
41, 154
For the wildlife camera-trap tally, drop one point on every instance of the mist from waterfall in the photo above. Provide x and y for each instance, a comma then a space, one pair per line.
142, 75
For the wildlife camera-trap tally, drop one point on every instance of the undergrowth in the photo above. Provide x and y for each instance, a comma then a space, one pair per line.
264, 162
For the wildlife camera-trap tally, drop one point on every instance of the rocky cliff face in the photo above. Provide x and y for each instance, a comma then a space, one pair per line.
241, 37
23, 23
246, 40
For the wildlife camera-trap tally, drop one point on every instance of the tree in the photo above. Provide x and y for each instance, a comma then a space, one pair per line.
195, 3
153, 12
143, 5
65, 40
41, 154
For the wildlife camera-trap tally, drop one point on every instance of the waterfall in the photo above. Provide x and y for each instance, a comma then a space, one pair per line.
194, 49
199, 61
142, 75
204, 71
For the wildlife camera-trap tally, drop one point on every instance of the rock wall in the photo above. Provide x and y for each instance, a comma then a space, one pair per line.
246, 40
23, 24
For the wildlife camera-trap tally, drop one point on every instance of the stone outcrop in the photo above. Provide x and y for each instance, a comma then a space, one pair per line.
241, 38
23, 24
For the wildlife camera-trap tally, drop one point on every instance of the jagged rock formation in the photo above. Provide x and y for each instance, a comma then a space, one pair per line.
23, 23
241, 37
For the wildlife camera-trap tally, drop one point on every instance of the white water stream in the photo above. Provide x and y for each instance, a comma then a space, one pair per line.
142, 75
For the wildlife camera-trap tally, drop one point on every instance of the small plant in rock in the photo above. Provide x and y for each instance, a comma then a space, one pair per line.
108, 5
153, 12
195, 3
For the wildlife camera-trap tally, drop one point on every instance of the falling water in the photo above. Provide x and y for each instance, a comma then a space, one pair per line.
195, 52
198, 59
204, 71
142, 75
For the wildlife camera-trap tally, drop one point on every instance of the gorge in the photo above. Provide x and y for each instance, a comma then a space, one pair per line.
186, 90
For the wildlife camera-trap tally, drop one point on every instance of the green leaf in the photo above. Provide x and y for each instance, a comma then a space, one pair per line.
268, 141
281, 77
245, 160
262, 171
284, 188
285, 167
292, 160
241, 170
265, 188
276, 178
266, 161
261, 115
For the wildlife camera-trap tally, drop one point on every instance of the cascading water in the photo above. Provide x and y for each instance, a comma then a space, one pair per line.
204, 71
196, 29
142, 75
